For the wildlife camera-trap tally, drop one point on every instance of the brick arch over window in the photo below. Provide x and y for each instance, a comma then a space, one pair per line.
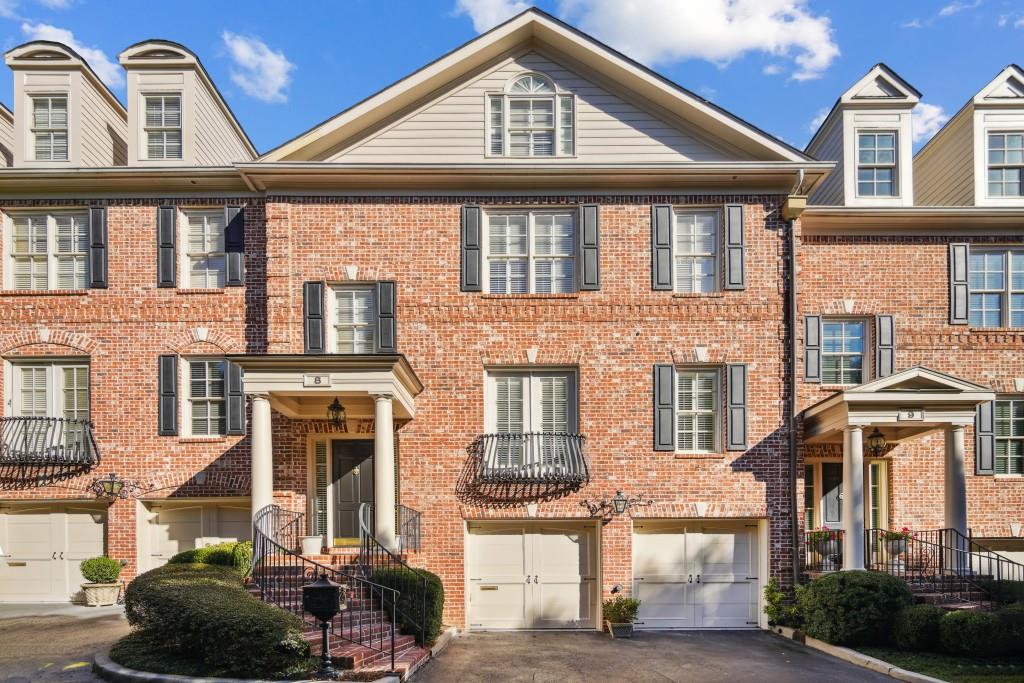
43, 341
531, 356
218, 483
204, 341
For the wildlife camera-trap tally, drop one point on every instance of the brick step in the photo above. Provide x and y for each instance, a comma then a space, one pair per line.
374, 632
354, 656
294, 603
406, 664
942, 599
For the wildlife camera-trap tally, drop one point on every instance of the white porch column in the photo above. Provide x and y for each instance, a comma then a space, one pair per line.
853, 497
261, 449
384, 471
956, 480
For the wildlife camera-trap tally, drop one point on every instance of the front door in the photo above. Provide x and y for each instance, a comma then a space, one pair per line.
832, 495
352, 468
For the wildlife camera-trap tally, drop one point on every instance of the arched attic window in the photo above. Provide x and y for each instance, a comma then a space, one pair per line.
531, 119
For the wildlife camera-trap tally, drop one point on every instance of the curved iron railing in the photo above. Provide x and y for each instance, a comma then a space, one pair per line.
409, 534
532, 457
374, 557
47, 441
280, 572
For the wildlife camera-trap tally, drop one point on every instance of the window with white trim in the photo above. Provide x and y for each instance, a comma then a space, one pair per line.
524, 402
1009, 436
1006, 164
695, 252
842, 351
996, 281
52, 388
876, 164
162, 126
353, 318
206, 262
207, 403
48, 251
531, 252
531, 119
50, 128
697, 410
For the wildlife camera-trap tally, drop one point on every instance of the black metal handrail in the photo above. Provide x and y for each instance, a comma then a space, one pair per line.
374, 557
47, 442
532, 457
823, 550
409, 534
1002, 577
280, 573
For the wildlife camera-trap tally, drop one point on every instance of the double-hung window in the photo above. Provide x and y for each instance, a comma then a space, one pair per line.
1009, 433
163, 126
50, 389
531, 414
696, 251
697, 411
531, 252
48, 251
842, 351
50, 128
876, 164
207, 407
996, 279
531, 119
1005, 164
354, 317
206, 260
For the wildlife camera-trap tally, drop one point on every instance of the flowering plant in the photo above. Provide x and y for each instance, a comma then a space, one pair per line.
823, 534
901, 535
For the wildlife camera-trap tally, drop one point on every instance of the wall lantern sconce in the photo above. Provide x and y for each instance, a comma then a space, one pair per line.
619, 504
336, 413
876, 443
112, 488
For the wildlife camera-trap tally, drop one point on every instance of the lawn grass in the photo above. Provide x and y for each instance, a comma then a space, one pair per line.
953, 668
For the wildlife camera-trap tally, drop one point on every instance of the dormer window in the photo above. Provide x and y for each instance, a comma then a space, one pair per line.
1005, 164
50, 128
531, 119
163, 126
876, 164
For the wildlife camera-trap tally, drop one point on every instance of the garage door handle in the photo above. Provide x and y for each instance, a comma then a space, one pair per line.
54, 555
698, 578
690, 580
62, 556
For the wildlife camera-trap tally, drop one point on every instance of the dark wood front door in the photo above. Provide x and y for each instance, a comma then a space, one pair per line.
832, 502
353, 484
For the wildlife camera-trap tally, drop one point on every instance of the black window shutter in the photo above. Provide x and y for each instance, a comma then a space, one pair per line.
661, 247
313, 316
589, 247
984, 439
885, 345
167, 410
664, 407
472, 254
235, 400
736, 390
385, 341
812, 348
959, 291
735, 246
234, 245
98, 247
166, 260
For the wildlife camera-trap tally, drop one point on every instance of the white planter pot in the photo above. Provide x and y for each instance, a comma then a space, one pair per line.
101, 594
311, 545
897, 546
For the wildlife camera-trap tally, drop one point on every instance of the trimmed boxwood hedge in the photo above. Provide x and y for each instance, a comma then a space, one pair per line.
227, 554
853, 607
917, 628
202, 613
408, 610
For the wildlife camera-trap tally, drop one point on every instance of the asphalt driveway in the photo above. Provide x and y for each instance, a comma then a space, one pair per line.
698, 656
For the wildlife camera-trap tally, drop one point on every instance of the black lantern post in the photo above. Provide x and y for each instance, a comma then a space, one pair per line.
619, 503
876, 442
336, 413
322, 599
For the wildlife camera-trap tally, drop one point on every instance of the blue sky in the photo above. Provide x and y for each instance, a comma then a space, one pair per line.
285, 66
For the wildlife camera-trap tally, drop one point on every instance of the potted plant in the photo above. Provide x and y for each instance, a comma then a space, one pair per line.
619, 614
896, 541
311, 545
826, 541
101, 573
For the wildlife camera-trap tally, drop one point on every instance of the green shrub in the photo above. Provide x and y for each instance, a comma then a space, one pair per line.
228, 554
203, 613
1003, 592
101, 569
620, 609
853, 607
917, 628
780, 607
1011, 625
409, 610
975, 634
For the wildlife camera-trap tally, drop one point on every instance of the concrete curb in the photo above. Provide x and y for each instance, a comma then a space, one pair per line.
853, 657
104, 667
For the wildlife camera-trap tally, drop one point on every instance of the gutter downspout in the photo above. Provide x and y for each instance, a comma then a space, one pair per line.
791, 417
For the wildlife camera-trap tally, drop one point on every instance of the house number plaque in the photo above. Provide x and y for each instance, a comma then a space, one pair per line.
316, 380
910, 414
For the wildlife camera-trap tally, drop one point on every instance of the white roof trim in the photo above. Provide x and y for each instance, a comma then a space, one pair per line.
999, 92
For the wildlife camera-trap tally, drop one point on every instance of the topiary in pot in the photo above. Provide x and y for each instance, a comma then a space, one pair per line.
853, 607
101, 573
619, 614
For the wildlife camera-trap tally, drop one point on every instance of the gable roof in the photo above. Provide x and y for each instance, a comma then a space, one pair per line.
6, 112
40, 53
531, 25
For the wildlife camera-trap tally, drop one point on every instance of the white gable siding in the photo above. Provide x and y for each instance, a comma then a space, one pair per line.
217, 143
6, 141
450, 129
104, 131
829, 147
944, 170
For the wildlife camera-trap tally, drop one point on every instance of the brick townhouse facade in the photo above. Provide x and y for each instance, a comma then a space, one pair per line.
528, 284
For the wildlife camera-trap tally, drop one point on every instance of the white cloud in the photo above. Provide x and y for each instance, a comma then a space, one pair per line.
665, 31
818, 119
913, 23
55, 4
957, 6
8, 9
771, 69
109, 71
927, 120
1019, 23
261, 73
486, 14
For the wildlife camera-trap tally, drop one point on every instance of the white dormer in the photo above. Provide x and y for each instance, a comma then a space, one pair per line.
64, 116
999, 140
868, 133
6, 136
177, 117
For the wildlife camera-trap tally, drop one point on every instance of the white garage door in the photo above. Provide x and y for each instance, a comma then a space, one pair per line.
532, 576
695, 575
174, 528
41, 547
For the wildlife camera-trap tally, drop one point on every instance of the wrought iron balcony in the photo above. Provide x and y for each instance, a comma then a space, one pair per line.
47, 442
532, 458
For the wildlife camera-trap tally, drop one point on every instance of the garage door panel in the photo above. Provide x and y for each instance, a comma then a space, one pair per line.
727, 605
565, 604
664, 605
563, 553
661, 553
232, 524
504, 604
